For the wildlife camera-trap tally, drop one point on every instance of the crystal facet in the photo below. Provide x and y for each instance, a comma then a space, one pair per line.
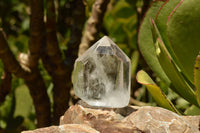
101, 76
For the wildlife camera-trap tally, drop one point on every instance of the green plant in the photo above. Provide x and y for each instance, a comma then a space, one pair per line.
169, 41
125, 15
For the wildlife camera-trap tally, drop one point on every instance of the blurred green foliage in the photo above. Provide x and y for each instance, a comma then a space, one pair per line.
120, 22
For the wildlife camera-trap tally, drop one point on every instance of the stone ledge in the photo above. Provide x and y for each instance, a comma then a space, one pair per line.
131, 119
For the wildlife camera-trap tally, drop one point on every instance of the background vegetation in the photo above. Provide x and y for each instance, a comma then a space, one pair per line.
39, 42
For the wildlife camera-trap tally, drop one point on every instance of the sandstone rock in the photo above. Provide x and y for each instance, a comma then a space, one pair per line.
159, 120
103, 120
193, 120
78, 114
132, 119
67, 128
145, 119
52, 129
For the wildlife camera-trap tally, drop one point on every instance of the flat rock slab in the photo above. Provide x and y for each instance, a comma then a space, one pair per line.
131, 119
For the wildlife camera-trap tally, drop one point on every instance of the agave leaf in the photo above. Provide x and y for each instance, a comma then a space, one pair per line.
156, 34
183, 33
146, 44
157, 94
179, 85
161, 21
197, 78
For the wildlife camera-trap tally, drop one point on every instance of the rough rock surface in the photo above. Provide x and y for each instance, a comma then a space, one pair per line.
131, 119
67, 128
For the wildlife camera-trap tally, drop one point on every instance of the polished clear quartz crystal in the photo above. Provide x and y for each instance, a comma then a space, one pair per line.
101, 76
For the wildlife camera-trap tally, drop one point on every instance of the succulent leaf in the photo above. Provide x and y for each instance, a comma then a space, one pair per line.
161, 21
146, 44
172, 47
183, 33
158, 95
179, 85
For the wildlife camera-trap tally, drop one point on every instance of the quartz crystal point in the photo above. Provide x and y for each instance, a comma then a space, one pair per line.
101, 76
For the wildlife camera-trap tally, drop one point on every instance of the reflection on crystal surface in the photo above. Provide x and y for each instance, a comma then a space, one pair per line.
101, 75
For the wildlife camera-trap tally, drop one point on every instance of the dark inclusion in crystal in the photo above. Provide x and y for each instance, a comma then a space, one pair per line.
101, 75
